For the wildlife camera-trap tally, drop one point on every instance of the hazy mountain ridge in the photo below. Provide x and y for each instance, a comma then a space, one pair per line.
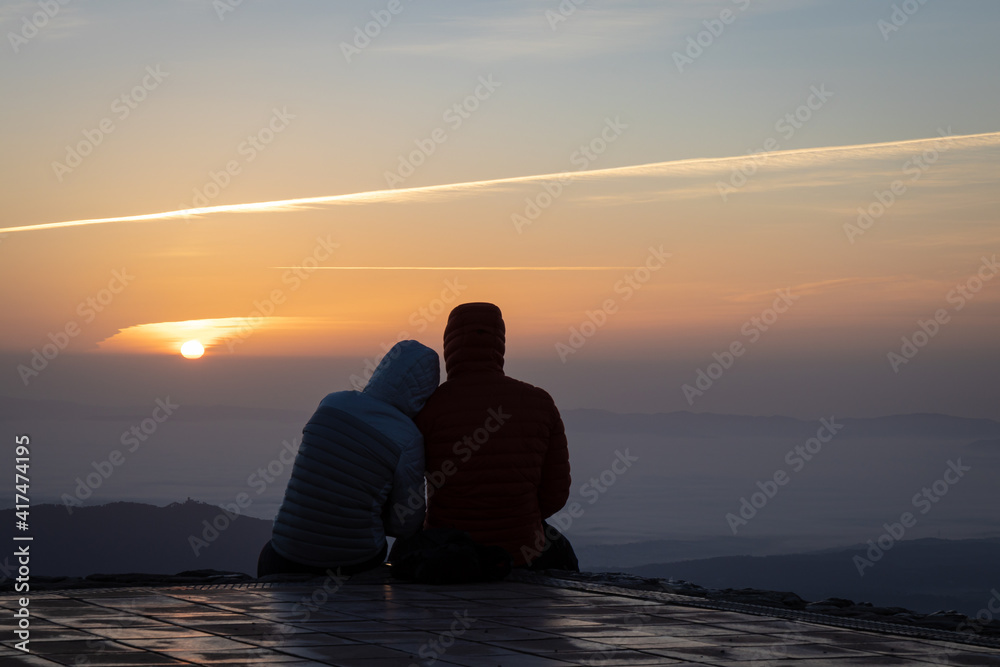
676, 424
14, 409
709, 461
694, 424
986, 445
640, 554
922, 574
126, 537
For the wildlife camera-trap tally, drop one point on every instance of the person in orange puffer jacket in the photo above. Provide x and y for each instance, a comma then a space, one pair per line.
497, 462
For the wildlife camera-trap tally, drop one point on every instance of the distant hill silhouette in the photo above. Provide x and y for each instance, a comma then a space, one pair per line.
678, 424
986, 445
925, 575
52, 410
127, 537
697, 424
635, 554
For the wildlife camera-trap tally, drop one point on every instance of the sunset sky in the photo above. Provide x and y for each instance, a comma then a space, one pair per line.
786, 189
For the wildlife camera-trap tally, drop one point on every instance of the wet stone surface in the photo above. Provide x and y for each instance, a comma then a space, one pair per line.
373, 621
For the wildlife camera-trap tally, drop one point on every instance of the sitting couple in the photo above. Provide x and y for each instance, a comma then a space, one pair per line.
495, 450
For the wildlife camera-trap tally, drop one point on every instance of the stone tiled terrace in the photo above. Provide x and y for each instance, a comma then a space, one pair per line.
369, 621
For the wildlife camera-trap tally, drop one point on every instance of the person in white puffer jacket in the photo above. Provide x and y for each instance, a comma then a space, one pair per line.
360, 457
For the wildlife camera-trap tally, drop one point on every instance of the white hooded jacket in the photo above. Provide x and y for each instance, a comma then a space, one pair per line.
359, 472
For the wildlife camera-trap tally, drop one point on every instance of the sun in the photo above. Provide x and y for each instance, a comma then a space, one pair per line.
192, 349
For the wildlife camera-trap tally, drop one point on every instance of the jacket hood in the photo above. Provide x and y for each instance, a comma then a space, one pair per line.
474, 339
405, 377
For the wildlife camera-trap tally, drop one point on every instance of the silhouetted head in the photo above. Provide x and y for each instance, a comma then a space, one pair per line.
474, 339
406, 376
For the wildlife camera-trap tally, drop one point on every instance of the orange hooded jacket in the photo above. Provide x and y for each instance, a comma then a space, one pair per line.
497, 461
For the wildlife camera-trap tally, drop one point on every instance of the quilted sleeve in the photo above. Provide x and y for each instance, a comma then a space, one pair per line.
553, 490
405, 510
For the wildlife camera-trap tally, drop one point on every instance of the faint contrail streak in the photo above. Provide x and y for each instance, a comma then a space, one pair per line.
461, 268
681, 166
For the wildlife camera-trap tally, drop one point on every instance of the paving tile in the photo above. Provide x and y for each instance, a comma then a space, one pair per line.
692, 630
121, 621
429, 651
641, 619
203, 617
96, 593
297, 639
629, 602
891, 646
497, 632
233, 657
29, 660
88, 611
834, 635
511, 659
876, 661
170, 644
154, 602
52, 634
607, 630
565, 605
497, 593
63, 604
963, 659
307, 616
156, 632
767, 626
396, 637
249, 626
401, 594
596, 611
547, 622
446, 622
455, 604
819, 651
119, 659
694, 615
338, 627
747, 639
552, 645
79, 647
615, 657
350, 652
756, 653
505, 623
661, 641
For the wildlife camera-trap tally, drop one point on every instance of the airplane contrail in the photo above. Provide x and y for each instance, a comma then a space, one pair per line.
461, 268
692, 164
